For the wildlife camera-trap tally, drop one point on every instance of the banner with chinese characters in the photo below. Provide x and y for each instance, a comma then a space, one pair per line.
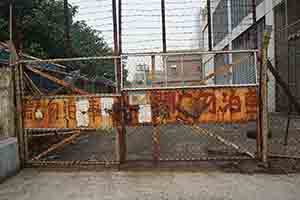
192, 106
70, 112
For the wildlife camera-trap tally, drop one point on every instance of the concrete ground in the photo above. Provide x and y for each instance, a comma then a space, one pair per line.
32, 184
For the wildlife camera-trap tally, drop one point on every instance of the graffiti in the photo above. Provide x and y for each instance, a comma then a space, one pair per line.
29, 110
232, 103
191, 106
194, 104
94, 108
208, 105
69, 112
163, 103
251, 102
53, 112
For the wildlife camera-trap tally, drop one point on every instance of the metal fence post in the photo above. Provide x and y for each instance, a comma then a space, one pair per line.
121, 129
264, 95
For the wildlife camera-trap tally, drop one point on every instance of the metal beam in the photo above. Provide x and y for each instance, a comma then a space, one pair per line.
209, 25
163, 20
57, 81
32, 84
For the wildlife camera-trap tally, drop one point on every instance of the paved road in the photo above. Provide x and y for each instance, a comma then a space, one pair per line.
31, 184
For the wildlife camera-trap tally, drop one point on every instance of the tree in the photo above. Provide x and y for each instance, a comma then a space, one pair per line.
40, 31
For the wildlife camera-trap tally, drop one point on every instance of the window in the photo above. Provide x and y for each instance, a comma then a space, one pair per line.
240, 9
220, 22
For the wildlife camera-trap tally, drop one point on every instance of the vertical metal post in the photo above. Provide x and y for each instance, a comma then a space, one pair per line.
165, 69
67, 29
11, 19
182, 69
259, 108
116, 47
255, 45
287, 42
11, 23
120, 26
264, 95
17, 86
153, 69
209, 25
163, 17
121, 137
156, 143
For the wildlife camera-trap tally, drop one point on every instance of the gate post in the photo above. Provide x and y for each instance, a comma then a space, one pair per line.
264, 95
122, 146
121, 128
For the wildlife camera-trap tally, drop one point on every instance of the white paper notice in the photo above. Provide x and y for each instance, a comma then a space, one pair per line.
106, 104
145, 115
138, 99
82, 115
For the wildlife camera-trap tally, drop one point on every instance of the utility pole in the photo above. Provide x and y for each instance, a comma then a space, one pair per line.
163, 20
209, 25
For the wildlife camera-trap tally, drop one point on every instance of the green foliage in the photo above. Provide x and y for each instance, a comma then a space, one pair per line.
41, 31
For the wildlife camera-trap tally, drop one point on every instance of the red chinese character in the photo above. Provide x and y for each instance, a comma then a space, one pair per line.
94, 108
233, 103
53, 112
251, 102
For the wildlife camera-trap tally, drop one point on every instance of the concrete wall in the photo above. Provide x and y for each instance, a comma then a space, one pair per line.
6, 103
9, 158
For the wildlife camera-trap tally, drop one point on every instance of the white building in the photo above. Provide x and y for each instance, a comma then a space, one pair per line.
234, 28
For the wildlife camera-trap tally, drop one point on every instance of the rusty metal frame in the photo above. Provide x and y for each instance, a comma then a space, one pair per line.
121, 154
182, 54
68, 59
191, 87
191, 53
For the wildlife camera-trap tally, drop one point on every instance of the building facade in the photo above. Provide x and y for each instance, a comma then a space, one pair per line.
239, 25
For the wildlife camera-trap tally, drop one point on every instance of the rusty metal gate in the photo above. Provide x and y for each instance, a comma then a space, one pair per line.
69, 121
161, 113
176, 113
171, 101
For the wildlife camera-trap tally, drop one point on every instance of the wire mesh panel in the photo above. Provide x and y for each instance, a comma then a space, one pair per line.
70, 128
183, 25
189, 69
283, 83
191, 124
70, 76
206, 142
180, 142
72, 147
98, 16
139, 143
69, 110
141, 26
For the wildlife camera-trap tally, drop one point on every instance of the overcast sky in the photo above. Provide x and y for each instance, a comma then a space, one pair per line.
141, 22
141, 26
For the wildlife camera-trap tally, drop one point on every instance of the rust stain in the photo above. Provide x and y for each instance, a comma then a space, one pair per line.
192, 106
61, 113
